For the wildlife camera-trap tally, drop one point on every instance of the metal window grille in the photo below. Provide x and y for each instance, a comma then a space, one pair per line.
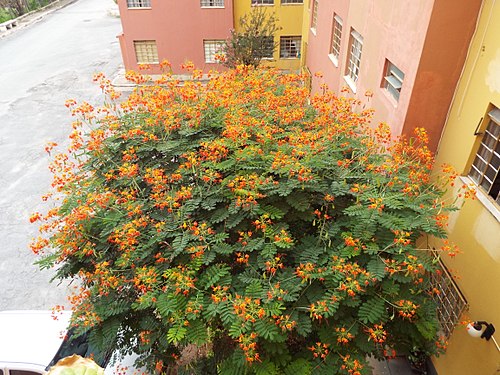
139, 3
146, 51
292, 2
212, 47
262, 2
486, 165
267, 47
393, 80
212, 3
450, 301
314, 20
355, 49
336, 36
290, 46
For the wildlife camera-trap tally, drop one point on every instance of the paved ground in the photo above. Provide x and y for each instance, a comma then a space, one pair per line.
50, 57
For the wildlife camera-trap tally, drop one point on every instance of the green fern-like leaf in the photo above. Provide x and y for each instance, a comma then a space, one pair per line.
176, 334
372, 311
299, 201
197, 332
265, 368
300, 366
376, 268
213, 274
254, 290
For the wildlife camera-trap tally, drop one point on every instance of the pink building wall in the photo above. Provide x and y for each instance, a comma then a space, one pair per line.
179, 28
404, 32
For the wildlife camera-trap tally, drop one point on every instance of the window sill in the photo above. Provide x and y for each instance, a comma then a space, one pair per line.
485, 199
391, 99
350, 83
313, 30
334, 60
209, 7
139, 8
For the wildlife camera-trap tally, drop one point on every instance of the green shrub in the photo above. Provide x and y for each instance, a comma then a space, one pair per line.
277, 230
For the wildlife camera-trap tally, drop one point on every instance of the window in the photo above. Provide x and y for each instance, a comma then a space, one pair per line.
393, 79
290, 47
262, 2
267, 47
212, 47
23, 372
353, 62
314, 20
139, 3
212, 3
146, 51
336, 38
449, 300
292, 1
486, 164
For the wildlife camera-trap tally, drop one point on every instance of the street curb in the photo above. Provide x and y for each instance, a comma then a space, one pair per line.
47, 9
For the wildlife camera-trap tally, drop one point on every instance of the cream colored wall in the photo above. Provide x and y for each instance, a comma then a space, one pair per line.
289, 19
474, 228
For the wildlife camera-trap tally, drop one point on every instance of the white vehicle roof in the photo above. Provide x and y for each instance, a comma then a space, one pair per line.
31, 337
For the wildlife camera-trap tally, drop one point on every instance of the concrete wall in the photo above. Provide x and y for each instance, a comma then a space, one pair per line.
476, 227
426, 39
179, 27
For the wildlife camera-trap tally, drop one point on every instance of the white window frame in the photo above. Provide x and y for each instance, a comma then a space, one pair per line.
485, 168
286, 42
336, 41
314, 17
147, 49
211, 47
262, 2
354, 59
212, 3
393, 80
138, 4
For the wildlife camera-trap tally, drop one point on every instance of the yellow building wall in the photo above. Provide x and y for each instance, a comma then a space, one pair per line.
289, 20
476, 227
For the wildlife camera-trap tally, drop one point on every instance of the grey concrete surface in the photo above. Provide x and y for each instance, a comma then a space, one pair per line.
42, 64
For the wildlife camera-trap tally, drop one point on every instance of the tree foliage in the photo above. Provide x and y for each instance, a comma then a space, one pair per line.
244, 216
253, 41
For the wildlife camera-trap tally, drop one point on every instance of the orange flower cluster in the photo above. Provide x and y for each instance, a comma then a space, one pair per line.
248, 343
377, 334
351, 366
406, 309
320, 350
248, 309
343, 335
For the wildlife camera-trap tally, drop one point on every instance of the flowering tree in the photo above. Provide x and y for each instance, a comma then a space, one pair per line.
276, 231
253, 42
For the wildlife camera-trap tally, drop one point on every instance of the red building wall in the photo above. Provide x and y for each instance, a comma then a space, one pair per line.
178, 27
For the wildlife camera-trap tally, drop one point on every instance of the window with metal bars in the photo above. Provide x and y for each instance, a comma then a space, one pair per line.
393, 79
146, 51
336, 38
486, 165
354, 59
212, 3
139, 3
449, 299
290, 47
292, 2
262, 2
212, 48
